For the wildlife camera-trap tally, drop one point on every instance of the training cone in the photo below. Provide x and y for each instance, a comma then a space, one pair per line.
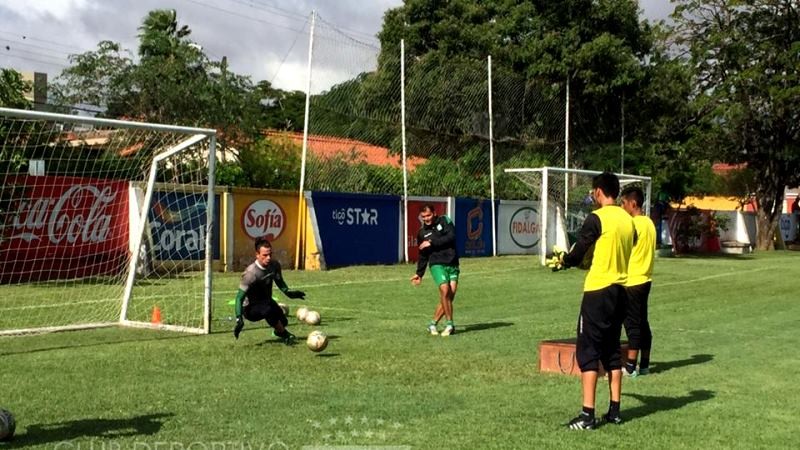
156, 317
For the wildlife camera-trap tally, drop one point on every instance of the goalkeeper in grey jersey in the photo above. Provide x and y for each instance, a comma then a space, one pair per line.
254, 299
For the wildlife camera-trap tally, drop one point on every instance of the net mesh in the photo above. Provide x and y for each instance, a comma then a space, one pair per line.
70, 202
355, 123
568, 195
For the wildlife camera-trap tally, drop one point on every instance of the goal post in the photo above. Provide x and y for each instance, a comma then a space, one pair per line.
105, 222
565, 201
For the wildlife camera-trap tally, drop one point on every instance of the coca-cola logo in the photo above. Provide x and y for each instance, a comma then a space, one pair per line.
263, 218
78, 216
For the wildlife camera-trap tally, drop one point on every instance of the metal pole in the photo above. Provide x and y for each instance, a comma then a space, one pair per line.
305, 141
491, 157
566, 153
210, 205
403, 133
622, 136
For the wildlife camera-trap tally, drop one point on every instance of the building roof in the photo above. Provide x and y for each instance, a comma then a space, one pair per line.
330, 147
716, 203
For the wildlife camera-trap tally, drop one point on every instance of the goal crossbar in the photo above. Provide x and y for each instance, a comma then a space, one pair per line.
538, 178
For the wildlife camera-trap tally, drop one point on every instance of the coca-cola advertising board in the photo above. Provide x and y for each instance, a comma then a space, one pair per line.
63, 227
177, 224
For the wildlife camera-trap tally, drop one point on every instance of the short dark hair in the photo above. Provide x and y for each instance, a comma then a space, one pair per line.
608, 183
262, 242
635, 194
427, 207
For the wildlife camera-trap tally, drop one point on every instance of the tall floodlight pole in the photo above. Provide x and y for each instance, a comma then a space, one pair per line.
403, 136
300, 202
491, 156
566, 154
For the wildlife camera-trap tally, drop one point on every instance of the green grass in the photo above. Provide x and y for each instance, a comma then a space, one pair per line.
723, 367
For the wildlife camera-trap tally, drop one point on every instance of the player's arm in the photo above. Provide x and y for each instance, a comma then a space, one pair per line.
589, 234
446, 237
244, 285
279, 281
422, 262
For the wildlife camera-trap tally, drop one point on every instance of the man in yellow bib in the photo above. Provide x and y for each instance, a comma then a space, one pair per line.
610, 229
640, 272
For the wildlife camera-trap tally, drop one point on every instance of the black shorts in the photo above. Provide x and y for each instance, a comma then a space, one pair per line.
599, 328
267, 310
637, 326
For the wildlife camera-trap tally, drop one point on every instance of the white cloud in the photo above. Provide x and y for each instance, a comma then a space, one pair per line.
58, 9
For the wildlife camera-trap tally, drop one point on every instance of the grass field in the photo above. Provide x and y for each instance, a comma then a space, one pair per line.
723, 370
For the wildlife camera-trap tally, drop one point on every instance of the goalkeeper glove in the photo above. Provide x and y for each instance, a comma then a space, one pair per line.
296, 295
238, 328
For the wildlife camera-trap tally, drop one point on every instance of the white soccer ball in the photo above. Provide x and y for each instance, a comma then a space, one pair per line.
313, 318
285, 308
317, 341
8, 425
301, 313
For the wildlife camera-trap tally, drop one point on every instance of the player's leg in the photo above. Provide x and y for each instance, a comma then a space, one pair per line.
438, 275
633, 329
647, 334
278, 321
449, 290
587, 353
616, 301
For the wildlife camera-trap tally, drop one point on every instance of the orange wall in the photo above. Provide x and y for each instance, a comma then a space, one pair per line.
260, 212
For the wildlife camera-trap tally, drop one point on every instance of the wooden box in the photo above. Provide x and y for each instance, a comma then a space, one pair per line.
558, 356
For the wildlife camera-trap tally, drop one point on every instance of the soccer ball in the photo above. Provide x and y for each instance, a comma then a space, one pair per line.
285, 308
301, 313
313, 318
317, 341
8, 424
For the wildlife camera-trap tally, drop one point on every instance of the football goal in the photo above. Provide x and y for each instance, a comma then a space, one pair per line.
564, 197
105, 222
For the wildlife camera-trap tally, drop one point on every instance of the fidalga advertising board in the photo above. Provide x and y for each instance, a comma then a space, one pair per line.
518, 228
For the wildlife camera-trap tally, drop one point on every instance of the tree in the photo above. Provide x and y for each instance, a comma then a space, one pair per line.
598, 46
97, 78
745, 57
13, 89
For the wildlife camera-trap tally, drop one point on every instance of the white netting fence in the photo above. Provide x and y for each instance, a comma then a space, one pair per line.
71, 199
355, 124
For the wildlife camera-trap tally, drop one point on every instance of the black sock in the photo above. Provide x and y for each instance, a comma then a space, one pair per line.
613, 409
645, 363
588, 412
630, 367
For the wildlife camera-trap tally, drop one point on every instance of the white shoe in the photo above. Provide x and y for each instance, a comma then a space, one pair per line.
448, 330
432, 329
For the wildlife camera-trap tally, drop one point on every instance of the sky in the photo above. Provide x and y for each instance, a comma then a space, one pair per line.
264, 39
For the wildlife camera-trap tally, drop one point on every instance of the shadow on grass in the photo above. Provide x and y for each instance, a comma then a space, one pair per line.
482, 326
298, 341
156, 336
52, 433
659, 367
653, 404
327, 355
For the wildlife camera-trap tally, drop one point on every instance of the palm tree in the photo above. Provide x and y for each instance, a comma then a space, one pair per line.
159, 34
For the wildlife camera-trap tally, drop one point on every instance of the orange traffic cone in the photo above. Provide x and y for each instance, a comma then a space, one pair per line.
155, 318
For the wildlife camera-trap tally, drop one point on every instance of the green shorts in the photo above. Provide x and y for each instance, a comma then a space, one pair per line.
444, 274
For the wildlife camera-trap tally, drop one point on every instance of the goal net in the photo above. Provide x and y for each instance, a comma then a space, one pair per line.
565, 195
104, 222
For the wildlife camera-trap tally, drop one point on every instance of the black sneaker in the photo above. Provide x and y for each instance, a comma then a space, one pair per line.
582, 422
608, 418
